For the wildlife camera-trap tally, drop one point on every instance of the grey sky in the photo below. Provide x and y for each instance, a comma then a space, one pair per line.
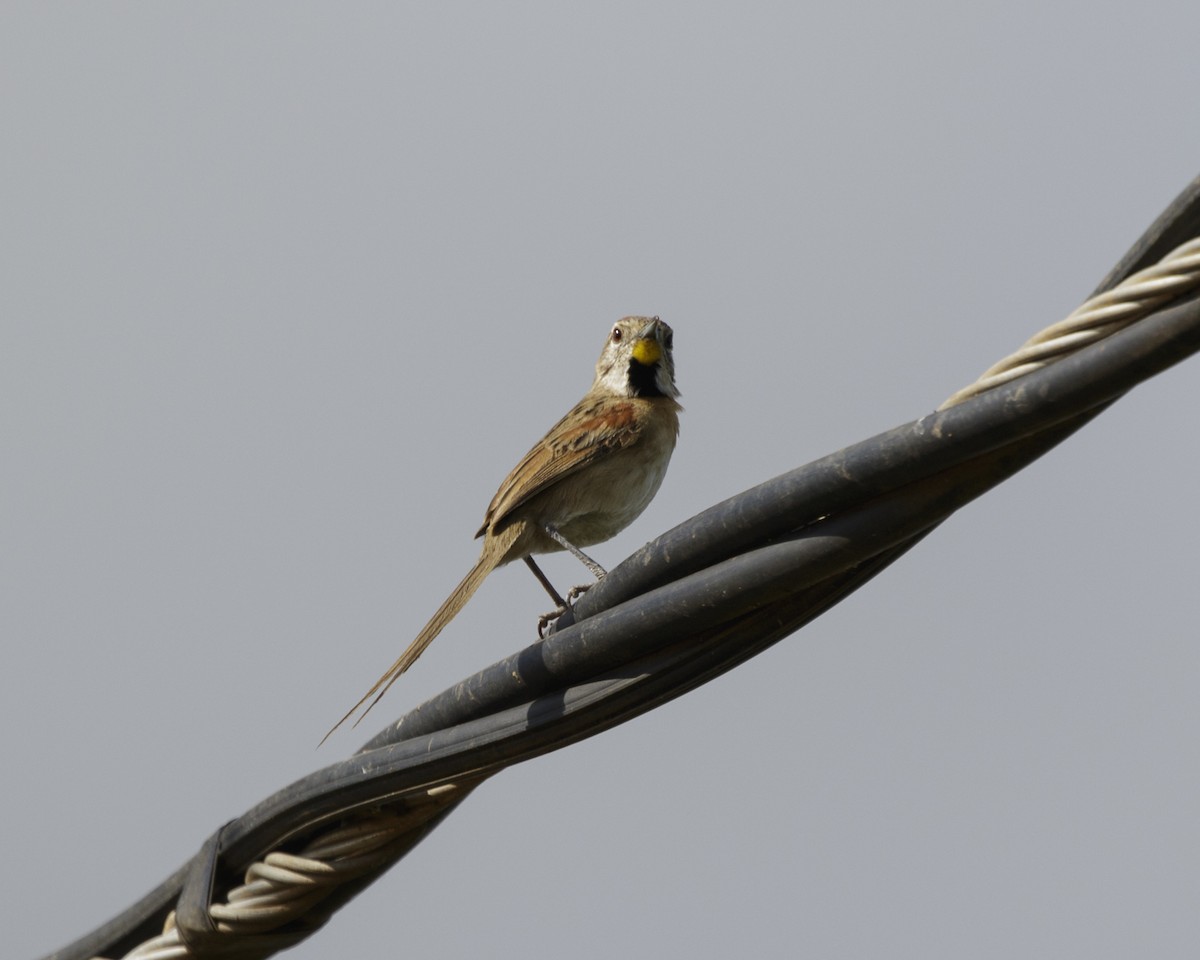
288, 288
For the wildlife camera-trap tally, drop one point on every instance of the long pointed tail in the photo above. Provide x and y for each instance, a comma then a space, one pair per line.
494, 550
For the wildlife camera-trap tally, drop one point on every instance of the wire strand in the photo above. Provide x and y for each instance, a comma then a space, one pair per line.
1097, 318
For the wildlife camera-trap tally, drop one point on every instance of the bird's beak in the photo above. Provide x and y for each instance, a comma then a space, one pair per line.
653, 325
648, 349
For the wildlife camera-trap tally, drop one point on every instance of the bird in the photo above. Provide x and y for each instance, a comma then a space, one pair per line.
585, 481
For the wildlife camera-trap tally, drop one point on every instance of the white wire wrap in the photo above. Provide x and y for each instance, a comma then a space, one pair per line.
283, 887
1100, 317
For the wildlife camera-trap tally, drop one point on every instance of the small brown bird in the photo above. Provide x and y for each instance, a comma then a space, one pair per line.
587, 479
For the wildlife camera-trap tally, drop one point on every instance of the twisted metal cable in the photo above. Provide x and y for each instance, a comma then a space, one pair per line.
281, 889
694, 603
1099, 317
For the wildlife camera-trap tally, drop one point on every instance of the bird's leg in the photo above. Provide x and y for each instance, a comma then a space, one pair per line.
546, 619
597, 571
545, 582
575, 592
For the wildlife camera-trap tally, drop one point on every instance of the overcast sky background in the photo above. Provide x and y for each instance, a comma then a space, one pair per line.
288, 288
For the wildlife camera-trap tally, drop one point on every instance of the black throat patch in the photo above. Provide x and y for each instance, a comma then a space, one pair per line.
643, 380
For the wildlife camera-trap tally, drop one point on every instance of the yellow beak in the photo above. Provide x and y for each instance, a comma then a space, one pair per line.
647, 352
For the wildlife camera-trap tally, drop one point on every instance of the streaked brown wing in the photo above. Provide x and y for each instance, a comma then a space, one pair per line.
592, 429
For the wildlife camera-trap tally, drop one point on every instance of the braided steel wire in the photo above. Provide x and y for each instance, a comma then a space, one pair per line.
1100, 316
282, 888
690, 605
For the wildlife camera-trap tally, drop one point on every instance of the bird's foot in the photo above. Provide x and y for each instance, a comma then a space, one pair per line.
547, 620
578, 591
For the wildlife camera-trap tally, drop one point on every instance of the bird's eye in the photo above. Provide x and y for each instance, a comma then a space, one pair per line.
616, 335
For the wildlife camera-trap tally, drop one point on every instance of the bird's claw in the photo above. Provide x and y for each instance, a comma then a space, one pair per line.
546, 620
577, 591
